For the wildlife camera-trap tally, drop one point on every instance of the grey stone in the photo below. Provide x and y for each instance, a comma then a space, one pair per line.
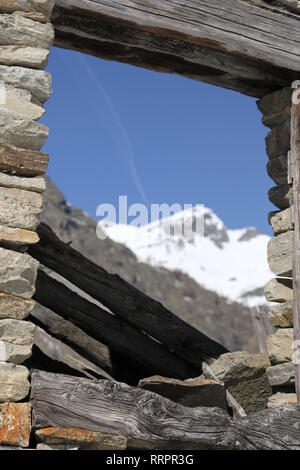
280, 346
14, 384
282, 375
16, 340
280, 254
15, 307
278, 141
24, 56
22, 106
277, 169
191, 392
36, 184
281, 316
244, 376
276, 107
36, 82
279, 290
281, 196
280, 399
23, 133
280, 221
18, 273
19, 208
81, 438
17, 30
42, 8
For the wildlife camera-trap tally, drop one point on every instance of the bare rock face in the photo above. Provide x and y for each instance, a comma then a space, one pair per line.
191, 392
34, 8
29, 184
281, 315
14, 237
244, 376
279, 290
84, 440
280, 254
280, 399
282, 375
24, 56
280, 346
17, 273
14, 382
37, 82
21, 105
15, 424
281, 221
23, 133
19, 208
17, 30
16, 340
15, 307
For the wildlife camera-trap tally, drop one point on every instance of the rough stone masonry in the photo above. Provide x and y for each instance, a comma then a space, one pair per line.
26, 36
276, 110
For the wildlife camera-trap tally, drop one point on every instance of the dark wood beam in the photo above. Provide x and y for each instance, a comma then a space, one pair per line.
151, 421
234, 43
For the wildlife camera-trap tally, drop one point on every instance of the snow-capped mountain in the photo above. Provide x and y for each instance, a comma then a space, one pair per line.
232, 263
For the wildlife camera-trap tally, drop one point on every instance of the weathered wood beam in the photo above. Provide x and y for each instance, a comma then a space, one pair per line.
234, 44
125, 300
151, 421
111, 330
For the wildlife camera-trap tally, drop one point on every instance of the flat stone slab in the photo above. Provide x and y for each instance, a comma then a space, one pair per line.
20, 209
281, 221
280, 399
244, 376
14, 237
43, 8
84, 440
277, 169
18, 273
281, 316
280, 196
37, 82
280, 254
16, 340
282, 375
279, 290
36, 184
191, 392
15, 307
278, 141
24, 56
17, 30
22, 162
280, 346
276, 107
14, 382
23, 133
15, 424
21, 105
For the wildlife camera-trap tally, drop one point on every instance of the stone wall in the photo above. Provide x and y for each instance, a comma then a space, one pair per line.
276, 110
26, 36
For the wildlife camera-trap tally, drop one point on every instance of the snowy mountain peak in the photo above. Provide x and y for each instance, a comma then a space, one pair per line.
197, 242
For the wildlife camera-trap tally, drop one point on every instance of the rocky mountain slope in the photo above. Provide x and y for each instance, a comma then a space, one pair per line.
226, 321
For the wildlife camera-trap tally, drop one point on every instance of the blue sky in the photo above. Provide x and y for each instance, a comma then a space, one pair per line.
157, 138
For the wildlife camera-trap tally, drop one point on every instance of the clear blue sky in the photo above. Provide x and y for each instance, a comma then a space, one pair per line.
120, 130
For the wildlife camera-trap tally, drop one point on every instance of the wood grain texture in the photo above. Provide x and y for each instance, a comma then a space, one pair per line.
111, 330
151, 421
295, 172
22, 162
234, 44
125, 301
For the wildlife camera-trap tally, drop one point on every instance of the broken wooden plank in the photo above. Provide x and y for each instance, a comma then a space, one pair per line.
150, 421
236, 45
111, 330
125, 301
